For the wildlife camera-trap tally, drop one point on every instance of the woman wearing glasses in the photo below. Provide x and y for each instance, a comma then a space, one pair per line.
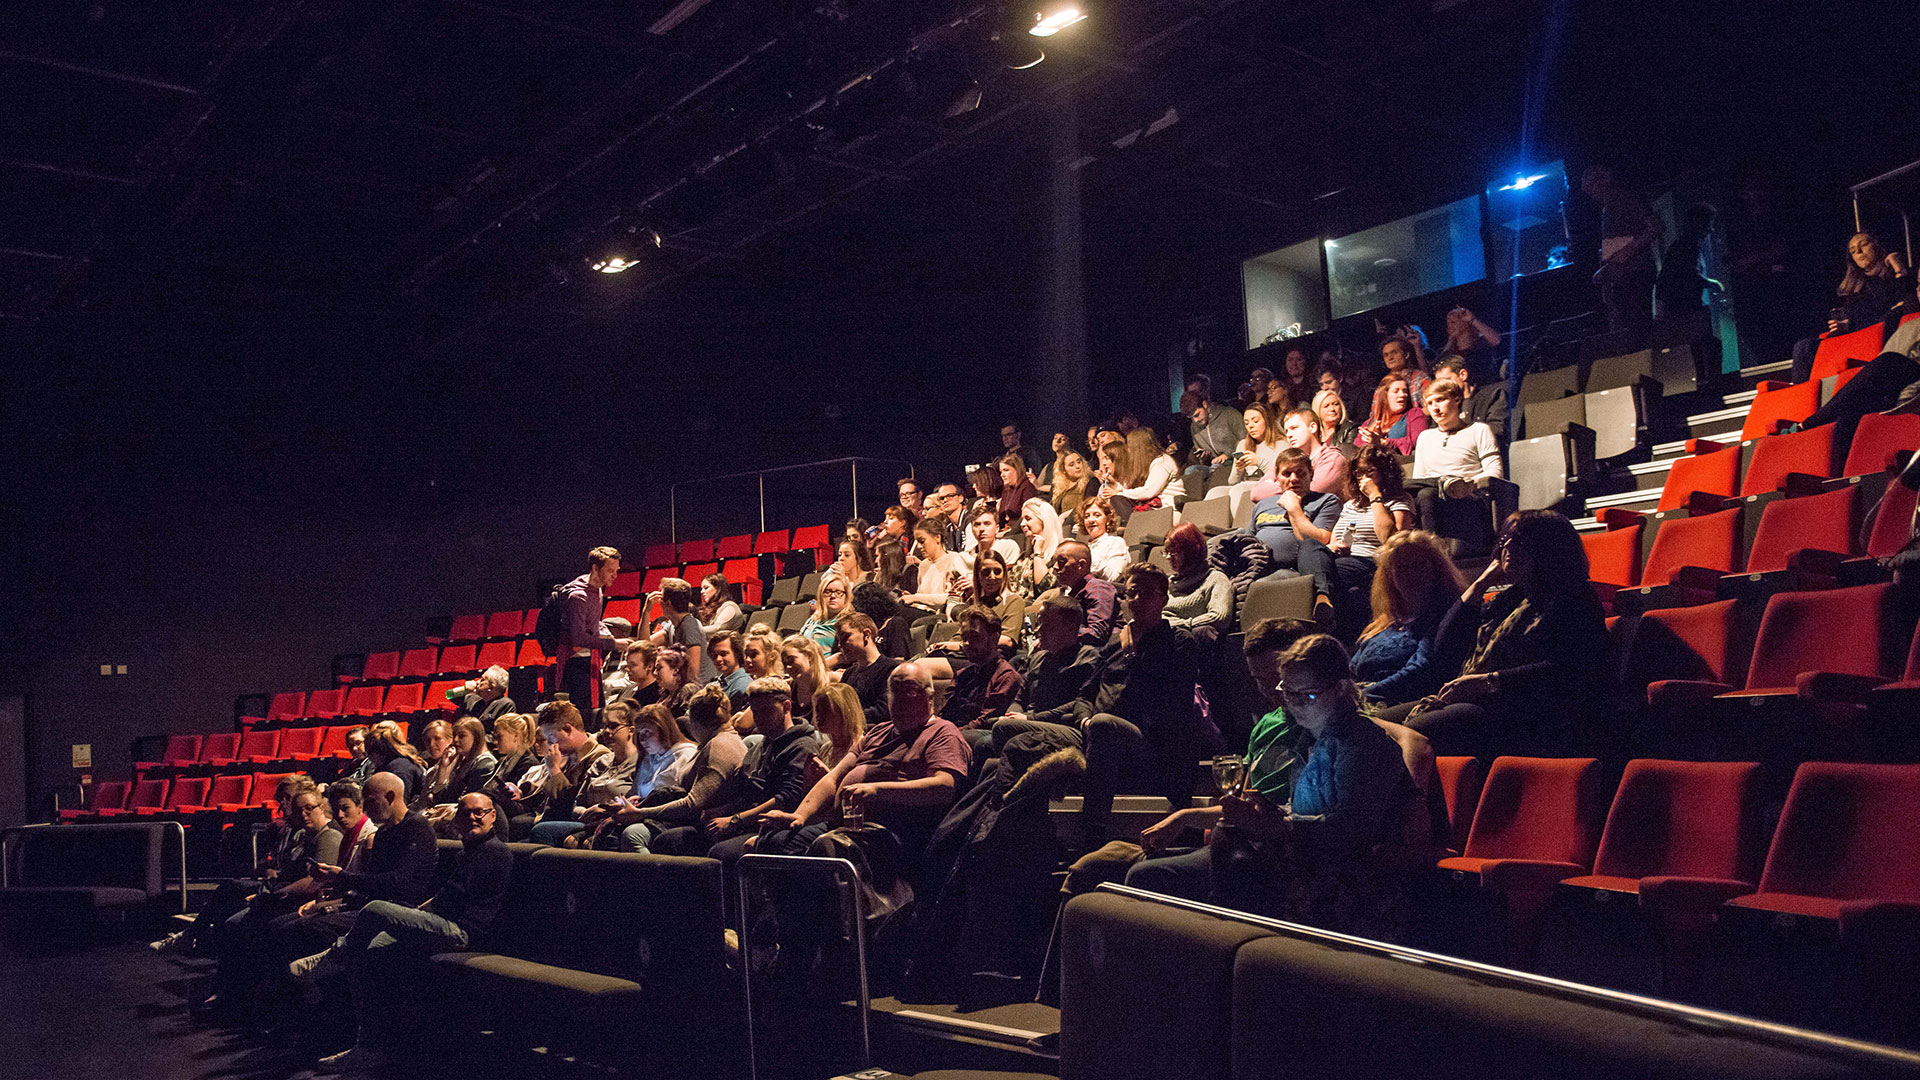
835, 600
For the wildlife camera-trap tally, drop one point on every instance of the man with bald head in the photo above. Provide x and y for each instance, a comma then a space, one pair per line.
903, 773
1073, 569
386, 938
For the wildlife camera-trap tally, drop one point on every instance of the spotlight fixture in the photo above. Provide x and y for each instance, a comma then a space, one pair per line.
1049, 23
614, 265
620, 264
1522, 183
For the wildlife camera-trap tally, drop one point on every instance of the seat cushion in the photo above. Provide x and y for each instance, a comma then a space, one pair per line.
1604, 883
1818, 907
100, 896
524, 978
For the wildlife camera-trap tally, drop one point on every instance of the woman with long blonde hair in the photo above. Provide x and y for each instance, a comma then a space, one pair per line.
1414, 585
840, 719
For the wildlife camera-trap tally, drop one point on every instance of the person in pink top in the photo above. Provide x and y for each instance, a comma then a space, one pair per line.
1397, 420
1302, 431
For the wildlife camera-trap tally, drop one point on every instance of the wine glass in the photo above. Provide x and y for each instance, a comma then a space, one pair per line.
1229, 774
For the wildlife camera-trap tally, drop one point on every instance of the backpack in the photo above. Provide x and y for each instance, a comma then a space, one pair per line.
551, 627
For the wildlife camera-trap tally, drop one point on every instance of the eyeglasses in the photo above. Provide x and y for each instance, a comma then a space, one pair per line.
468, 811
1301, 696
308, 808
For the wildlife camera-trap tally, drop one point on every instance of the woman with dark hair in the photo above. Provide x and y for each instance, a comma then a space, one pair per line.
1397, 419
717, 609
1376, 507
467, 766
1016, 487
1160, 483
1535, 654
1253, 458
987, 488
853, 561
896, 524
1876, 280
990, 588
893, 618
1414, 586
889, 564
1072, 482
1199, 598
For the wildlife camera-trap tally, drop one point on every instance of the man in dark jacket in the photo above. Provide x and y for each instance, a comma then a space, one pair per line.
1060, 672
988, 686
576, 669
776, 774
458, 916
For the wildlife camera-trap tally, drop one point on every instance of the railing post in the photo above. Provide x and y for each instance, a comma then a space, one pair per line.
673, 517
762, 477
856, 487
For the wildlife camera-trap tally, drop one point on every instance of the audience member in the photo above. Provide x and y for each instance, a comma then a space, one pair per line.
1061, 670
1200, 598
725, 650
719, 753
1452, 460
854, 561
577, 772
513, 749
983, 534
1472, 341
1403, 357
306, 832
670, 675
1033, 572
718, 610
805, 666
1376, 508
1480, 404
1253, 457
1681, 287
775, 774
1876, 280
897, 524
484, 698
1160, 483
1335, 429
389, 751
940, 570
679, 626
464, 766
1414, 586
1072, 483
984, 689
1016, 487
1302, 430
582, 634
909, 489
1105, 547
894, 619
1296, 378
640, 686
1628, 231
522, 798
1214, 431
990, 588
1011, 442
863, 667
1296, 525
348, 801
665, 756
1535, 654
1397, 420
359, 766
1886, 384
946, 511
840, 717
1072, 570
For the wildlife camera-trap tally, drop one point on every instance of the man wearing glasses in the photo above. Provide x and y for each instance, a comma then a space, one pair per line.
459, 916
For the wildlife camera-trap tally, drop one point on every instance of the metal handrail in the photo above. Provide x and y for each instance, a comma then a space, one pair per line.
6, 852
847, 884
1796, 1038
1906, 218
673, 490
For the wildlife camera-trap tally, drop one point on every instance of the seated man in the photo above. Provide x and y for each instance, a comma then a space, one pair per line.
578, 773
1296, 525
1073, 570
1302, 431
680, 625
1479, 404
776, 773
903, 773
1214, 432
1454, 460
723, 648
484, 698
862, 665
459, 915
983, 533
1061, 670
984, 689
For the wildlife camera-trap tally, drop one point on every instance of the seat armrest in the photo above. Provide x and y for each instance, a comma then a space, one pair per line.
1704, 446
1527, 875
1797, 484
1702, 503
1697, 578
1690, 895
1885, 920
1765, 385
233, 807
1818, 562
1619, 517
1835, 686
265, 759
1669, 693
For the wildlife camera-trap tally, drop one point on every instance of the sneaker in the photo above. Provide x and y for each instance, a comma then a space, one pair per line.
180, 941
305, 966
353, 1059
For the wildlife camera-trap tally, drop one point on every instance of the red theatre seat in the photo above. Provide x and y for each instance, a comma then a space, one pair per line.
419, 663
693, 551
739, 571
103, 799
1845, 848
147, 795
623, 609
504, 624
229, 793
189, 796
1838, 350
1893, 522
1776, 402
697, 573
457, 658
1823, 522
1805, 636
770, 543
261, 747
1710, 470
327, 704
1705, 642
626, 583
531, 656
1711, 541
1613, 556
659, 555
656, 576
380, 667
810, 537
181, 751
1681, 836
1775, 456
266, 786
1536, 824
437, 695
467, 628
365, 700
734, 547
335, 744
302, 744
1878, 439
404, 698
220, 748
287, 706
1460, 782
492, 653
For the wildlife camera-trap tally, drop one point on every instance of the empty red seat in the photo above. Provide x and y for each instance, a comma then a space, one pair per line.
1775, 456
770, 543
1460, 782
1536, 824
812, 536
335, 743
436, 697
1846, 844
1877, 440
1893, 522
379, 667
1705, 642
1681, 835
625, 583
301, 744
1613, 556
697, 572
229, 793
261, 747
365, 700
1777, 401
467, 628
1833, 631
188, 796
1836, 351
327, 704
404, 698
659, 555
504, 624
103, 799
655, 576
740, 571
734, 547
693, 551
1712, 470
1823, 522
530, 655
419, 663
492, 653
457, 658
180, 752
265, 787
220, 748
146, 795
291, 705
623, 609
1711, 541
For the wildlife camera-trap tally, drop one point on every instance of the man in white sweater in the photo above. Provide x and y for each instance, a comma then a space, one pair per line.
1451, 457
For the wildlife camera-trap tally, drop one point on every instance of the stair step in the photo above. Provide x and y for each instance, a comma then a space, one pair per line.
1648, 496
1761, 370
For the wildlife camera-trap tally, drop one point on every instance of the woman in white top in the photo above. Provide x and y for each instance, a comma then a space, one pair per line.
1253, 459
939, 570
717, 610
1034, 571
1161, 485
1108, 550
1376, 507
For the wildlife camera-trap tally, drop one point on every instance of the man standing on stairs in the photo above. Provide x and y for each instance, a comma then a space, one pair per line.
576, 671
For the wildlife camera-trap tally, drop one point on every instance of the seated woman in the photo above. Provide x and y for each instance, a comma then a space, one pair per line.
1199, 598
467, 767
717, 610
1160, 483
1414, 586
1335, 855
598, 786
1040, 526
1016, 487
1876, 280
659, 775
987, 488
989, 588
854, 561
718, 752
1335, 429
896, 524
389, 751
307, 835
1253, 459
806, 670
1070, 483
1108, 550
1397, 420
1472, 340
938, 570
834, 600
1534, 671
840, 719
1376, 508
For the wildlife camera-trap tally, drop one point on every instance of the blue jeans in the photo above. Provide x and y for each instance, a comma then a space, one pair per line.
376, 928
551, 833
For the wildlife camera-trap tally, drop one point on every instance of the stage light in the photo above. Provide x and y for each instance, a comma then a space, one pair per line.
1047, 24
1522, 183
614, 265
